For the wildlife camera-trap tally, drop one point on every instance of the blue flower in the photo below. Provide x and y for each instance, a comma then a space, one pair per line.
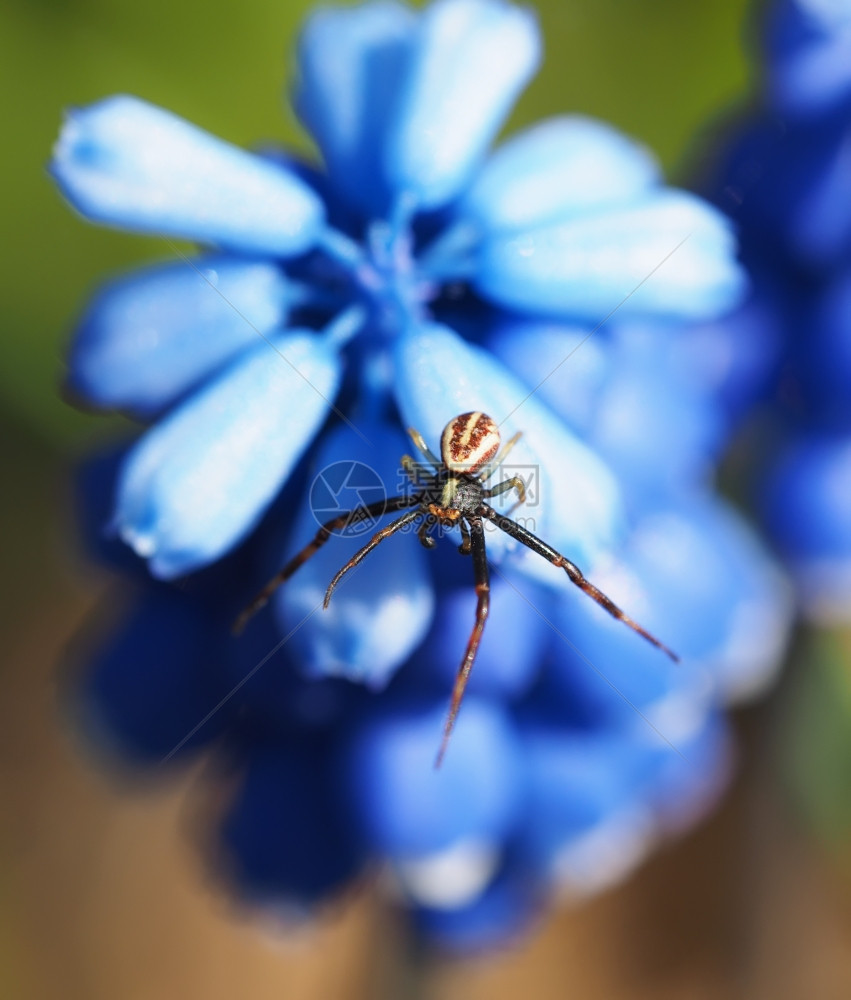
785, 181
398, 146
413, 276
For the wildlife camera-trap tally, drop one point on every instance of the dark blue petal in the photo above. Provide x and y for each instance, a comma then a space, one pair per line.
560, 169
287, 841
573, 501
824, 354
670, 255
350, 62
154, 679
805, 501
127, 163
472, 58
381, 611
148, 337
199, 480
409, 809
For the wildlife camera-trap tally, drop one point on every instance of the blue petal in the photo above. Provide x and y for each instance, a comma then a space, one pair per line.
563, 168
696, 578
381, 612
513, 643
501, 913
735, 357
473, 57
683, 787
574, 502
805, 503
408, 809
350, 62
597, 801
287, 840
809, 44
199, 480
567, 365
154, 680
824, 357
631, 395
584, 800
127, 163
669, 256
148, 337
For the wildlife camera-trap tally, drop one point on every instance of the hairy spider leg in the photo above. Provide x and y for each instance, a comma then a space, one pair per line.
466, 542
420, 444
482, 578
515, 483
300, 558
429, 522
376, 539
531, 541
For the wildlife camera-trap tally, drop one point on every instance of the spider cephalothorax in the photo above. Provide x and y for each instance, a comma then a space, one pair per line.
452, 492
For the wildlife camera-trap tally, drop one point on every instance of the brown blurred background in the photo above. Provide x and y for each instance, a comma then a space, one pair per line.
102, 894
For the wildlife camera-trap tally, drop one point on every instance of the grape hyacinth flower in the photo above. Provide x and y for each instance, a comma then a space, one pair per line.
787, 184
416, 274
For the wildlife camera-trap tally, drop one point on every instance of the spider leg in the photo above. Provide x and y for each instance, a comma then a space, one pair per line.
361, 554
482, 577
466, 542
531, 541
489, 470
419, 442
422, 532
374, 510
515, 483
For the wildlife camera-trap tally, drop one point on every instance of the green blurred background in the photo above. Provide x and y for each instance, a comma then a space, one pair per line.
100, 894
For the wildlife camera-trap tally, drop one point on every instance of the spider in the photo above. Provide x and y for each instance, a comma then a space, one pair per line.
454, 494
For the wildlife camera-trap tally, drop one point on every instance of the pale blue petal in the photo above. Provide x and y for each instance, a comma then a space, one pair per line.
199, 480
574, 502
127, 163
472, 59
560, 169
382, 610
671, 255
350, 64
148, 337
569, 365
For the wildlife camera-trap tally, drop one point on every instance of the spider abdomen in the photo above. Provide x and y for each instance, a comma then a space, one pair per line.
469, 442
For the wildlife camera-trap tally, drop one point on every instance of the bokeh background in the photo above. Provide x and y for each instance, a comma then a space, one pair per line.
101, 892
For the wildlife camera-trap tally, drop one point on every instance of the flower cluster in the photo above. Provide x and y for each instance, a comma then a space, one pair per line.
787, 184
415, 275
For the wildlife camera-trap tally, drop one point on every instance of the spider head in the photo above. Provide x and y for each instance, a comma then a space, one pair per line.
469, 442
